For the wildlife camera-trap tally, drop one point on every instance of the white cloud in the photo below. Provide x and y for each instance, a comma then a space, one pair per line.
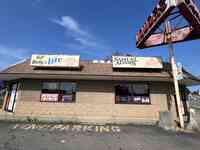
81, 38
16, 53
72, 25
87, 42
10, 55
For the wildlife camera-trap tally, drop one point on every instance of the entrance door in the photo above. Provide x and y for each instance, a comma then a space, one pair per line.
11, 98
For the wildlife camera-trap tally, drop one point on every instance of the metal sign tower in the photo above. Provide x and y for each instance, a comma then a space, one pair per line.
158, 30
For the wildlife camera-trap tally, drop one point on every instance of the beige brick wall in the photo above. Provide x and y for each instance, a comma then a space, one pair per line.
159, 93
95, 102
95, 92
30, 90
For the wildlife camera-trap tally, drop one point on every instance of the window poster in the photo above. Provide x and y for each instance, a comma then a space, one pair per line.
145, 99
49, 97
67, 98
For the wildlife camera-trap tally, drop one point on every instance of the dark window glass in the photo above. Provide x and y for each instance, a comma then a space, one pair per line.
50, 87
58, 92
132, 94
68, 91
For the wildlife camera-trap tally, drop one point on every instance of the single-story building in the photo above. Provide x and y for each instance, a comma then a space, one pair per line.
124, 90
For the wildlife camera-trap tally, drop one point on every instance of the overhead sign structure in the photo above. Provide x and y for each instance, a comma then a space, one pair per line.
72, 61
137, 62
147, 36
187, 8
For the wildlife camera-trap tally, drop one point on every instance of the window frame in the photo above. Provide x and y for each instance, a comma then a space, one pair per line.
59, 92
132, 95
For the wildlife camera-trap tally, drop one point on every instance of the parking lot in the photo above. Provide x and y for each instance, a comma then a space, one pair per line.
89, 137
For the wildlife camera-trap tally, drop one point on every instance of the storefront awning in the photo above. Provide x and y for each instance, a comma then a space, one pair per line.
94, 71
189, 79
15, 76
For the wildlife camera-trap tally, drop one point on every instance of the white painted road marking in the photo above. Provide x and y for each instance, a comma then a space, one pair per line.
73, 128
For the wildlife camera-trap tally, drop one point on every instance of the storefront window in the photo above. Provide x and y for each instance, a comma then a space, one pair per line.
50, 87
132, 94
58, 92
68, 91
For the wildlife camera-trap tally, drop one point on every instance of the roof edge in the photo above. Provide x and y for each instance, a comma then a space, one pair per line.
15, 64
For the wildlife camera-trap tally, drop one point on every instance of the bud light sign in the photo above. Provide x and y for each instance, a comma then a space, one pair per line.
55, 60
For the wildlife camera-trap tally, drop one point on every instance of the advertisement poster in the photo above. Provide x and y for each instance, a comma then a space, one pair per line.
137, 62
55, 60
49, 97
67, 98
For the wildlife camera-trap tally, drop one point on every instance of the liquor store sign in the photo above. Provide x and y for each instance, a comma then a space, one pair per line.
137, 62
55, 60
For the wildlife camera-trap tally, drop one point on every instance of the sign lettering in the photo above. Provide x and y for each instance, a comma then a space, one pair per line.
137, 62
55, 61
69, 128
49, 97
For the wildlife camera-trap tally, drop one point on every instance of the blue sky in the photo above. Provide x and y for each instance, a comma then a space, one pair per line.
91, 28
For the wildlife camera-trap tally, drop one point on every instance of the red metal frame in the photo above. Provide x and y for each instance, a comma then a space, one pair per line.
191, 13
179, 35
147, 38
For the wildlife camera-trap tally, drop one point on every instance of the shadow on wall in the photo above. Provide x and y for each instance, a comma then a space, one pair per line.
2, 93
1, 100
1, 104
96, 86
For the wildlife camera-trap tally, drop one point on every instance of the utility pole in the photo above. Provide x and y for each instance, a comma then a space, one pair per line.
168, 29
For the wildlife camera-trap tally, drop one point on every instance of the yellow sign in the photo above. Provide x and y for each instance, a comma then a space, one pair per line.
55, 60
137, 62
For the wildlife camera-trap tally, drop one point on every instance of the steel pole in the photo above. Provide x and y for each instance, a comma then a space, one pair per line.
174, 71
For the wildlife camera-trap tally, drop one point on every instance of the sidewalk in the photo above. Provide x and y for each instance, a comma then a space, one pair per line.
6, 115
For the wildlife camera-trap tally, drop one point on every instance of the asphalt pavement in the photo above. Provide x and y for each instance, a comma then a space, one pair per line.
14, 136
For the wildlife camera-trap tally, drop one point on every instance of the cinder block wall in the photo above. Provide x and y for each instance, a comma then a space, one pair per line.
95, 102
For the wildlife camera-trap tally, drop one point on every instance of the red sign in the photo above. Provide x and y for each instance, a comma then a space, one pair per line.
49, 97
147, 38
190, 11
159, 14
